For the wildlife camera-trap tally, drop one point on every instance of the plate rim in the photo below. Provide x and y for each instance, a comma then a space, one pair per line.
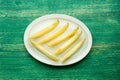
77, 21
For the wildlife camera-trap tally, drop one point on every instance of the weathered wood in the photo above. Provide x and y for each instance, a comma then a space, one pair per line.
101, 17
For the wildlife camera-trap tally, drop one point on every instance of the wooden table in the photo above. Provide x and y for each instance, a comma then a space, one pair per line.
101, 17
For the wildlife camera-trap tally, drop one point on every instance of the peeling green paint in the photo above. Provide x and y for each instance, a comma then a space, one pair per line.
102, 18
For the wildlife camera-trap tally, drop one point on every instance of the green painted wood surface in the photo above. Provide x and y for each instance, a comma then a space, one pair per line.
101, 17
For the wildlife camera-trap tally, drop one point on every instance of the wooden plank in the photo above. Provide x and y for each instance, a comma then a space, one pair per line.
101, 17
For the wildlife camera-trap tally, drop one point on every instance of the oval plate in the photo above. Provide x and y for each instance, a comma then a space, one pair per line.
46, 20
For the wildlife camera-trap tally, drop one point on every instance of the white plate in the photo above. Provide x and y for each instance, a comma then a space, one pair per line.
44, 21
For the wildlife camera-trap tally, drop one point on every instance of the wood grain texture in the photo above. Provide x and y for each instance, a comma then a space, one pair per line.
102, 18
